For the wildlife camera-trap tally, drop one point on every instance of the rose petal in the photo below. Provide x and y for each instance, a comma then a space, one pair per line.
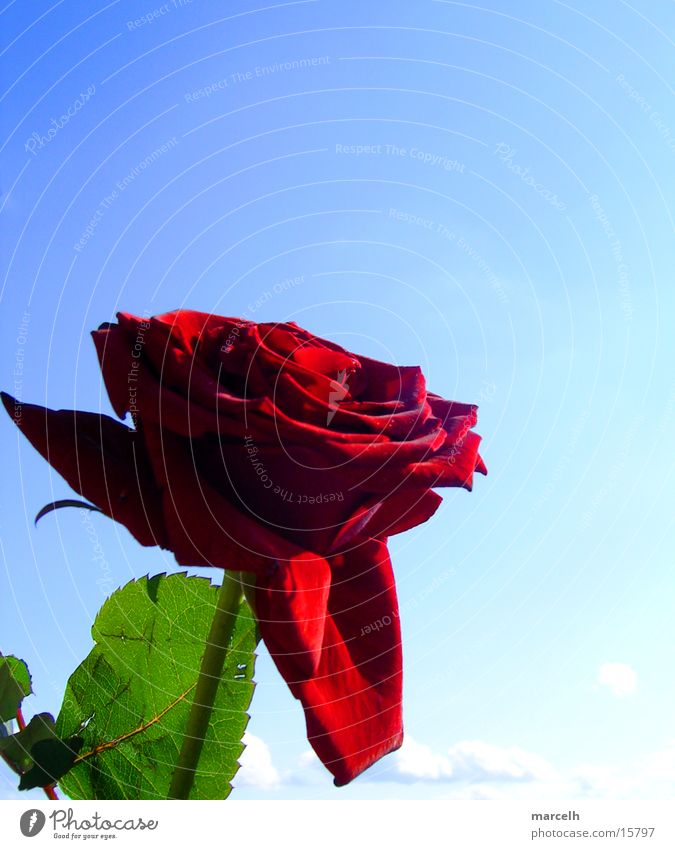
293, 602
203, 525
101, 459
382, 518
352, 702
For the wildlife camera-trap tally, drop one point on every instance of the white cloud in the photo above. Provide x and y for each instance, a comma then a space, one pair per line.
659, 767
308, 759
474, 769
467, 762
256, 767
618, 677
308, 772
474, 760
417, 761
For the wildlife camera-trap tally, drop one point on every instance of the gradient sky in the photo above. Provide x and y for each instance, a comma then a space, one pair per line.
483, 190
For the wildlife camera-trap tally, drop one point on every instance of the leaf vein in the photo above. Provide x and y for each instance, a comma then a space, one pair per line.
110, 744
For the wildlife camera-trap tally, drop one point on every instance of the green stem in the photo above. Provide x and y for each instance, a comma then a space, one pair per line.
213, 660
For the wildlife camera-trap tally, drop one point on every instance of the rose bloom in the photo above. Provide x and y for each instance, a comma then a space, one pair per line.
265, 449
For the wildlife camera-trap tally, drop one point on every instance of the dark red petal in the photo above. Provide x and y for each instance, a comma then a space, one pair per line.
383, 518
180, 329
101, 459
353, 701
283, 339
444, 409
333, 408
387, 382
134, 387
300, 588
119, 366
453, 465
204, 525
275, 491
274, 353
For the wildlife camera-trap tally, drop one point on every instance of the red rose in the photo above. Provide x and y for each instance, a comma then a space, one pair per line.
260, 447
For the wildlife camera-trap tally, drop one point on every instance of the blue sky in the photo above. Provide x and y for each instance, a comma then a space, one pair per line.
483, 190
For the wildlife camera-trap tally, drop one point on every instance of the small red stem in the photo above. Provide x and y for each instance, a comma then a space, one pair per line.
49, 791
20, 720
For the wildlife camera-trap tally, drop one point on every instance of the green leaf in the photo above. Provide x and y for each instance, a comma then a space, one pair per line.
16, 748
15, 685
52, 759
36, 753
130, 698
